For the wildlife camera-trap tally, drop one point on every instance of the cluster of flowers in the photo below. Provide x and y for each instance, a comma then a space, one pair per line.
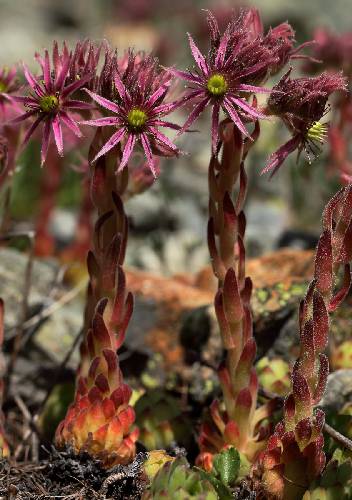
128, 101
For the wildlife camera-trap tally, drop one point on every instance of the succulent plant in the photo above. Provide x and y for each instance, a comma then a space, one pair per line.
156, 459
294, 457
274, 375
336, 480
160, 421
100, 419
177, 481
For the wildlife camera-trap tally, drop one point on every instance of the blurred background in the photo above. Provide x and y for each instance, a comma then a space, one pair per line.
168, 221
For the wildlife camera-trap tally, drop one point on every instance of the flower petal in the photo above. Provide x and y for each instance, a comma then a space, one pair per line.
58, 134
72, 87
252, 88
198, 56
250, 110
45, 141
278, 157
70, 123
127, 151
194, 115
159, 136
187, 75
31, 130
75, 104
148, 153
235, 117
105, 103
33, 82
111, 143
103, 122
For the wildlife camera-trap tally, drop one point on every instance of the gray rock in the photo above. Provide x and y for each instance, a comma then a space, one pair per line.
12, 275
338, 390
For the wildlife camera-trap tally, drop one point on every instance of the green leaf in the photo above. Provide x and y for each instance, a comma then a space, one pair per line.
227, 465
224, 493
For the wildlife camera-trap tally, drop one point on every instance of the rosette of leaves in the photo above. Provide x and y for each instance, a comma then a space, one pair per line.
160, 421
176, 480
274, 375
336, 480
229, 467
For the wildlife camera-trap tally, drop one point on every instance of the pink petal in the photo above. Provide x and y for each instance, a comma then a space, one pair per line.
188, 76
194, 115
276, 159
121, 87
70, 123
58, 134
148, 153
33, 82
127, 151
198, 56
31, 129
46, 71
103, 122
60, 78
221, 51
163, 123
164, 140
111, 143
253, 88
45, 140
105, 103
250, 110
75, 86
158, 95
234, 117
23, 117
74, 104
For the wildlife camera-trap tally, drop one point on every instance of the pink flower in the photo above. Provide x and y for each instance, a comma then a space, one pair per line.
8, 85
301, 103
238, 61
138, 111
50, 101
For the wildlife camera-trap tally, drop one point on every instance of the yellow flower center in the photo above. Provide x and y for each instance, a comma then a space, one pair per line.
3, 87
49, 103
317, 132
217, 85
136, 118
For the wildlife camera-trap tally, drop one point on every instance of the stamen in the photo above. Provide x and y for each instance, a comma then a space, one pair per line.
136, 118
49, 103
217, 85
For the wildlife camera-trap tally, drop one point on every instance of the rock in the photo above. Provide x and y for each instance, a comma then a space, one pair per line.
338, 390
12, 275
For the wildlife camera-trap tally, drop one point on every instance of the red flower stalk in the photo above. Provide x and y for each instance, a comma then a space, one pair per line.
294, 456
4, 448
138, 111
50, 101
301, 103
237, 422
239, 61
